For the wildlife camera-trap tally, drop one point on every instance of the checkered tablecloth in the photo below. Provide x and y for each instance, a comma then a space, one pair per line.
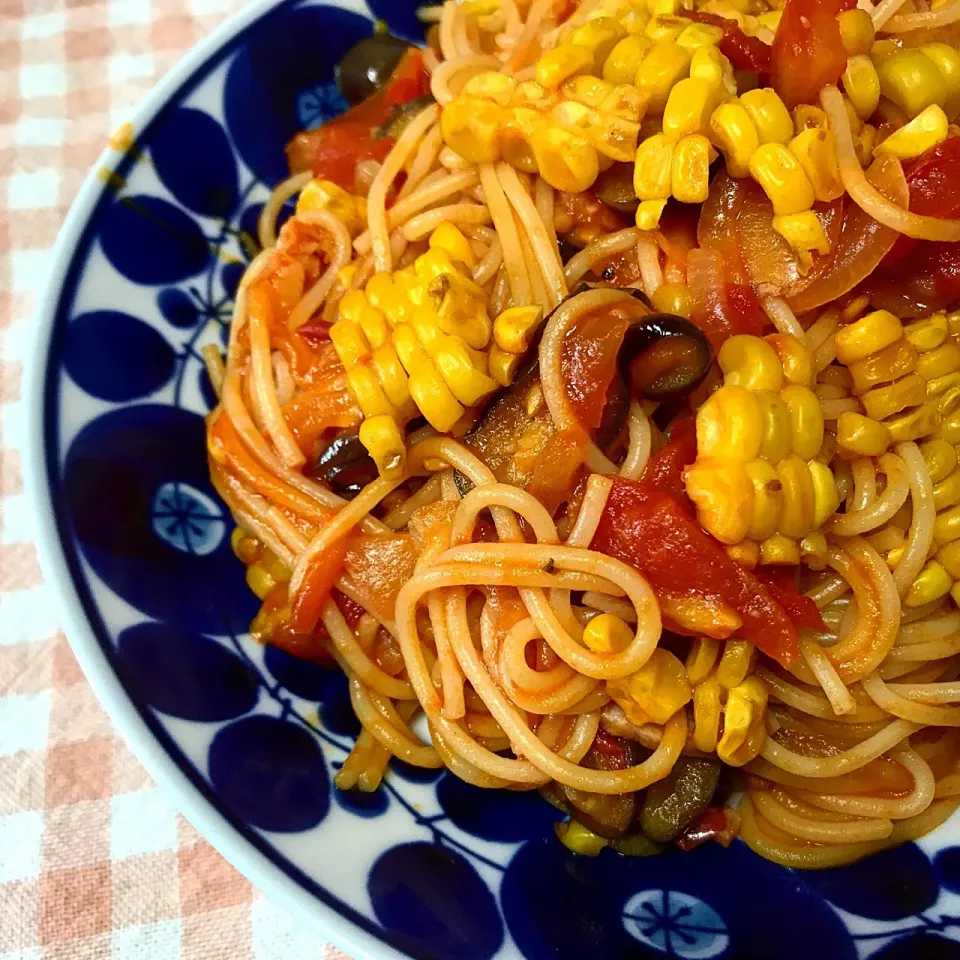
94, 861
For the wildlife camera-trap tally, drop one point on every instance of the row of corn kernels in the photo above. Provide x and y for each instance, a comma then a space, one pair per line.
567, 135
729, 703
758, 483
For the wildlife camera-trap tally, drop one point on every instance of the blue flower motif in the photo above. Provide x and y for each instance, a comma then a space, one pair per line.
676, 924
187, 519
318, 104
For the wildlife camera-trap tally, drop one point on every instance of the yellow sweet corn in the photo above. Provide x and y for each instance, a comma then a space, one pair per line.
750, 362
735, 135
722, 491
498, 87
579, 839
568, 161
867, 336
896, 360
794, 358
814, 149
862, 436
561, 63
949, 558
708, 63
742, 718
729, 424
861, 83
469, 126
826, 496
856, 31
946, 493
624, 59
947, 60
769, 115
707, 711
672, 298
884, 401
413, 341
326, 195
665, 27
932, 583
689, 106
922, 133
767, 499
653, 168
649, 213
780, 174
503, 366
796, 518
607, 633
911, 80
805, 234
514, 327
928, 333
701, 659
808, 117
940, 458
598, 35
690, 170
655, 692
779, 550
664, 65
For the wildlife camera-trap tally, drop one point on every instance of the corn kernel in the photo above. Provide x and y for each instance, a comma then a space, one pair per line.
587, 90
259, 580
946, 493
367, 391
698, 35
861, 435
942, 385
735, 135
566, 160
911, 80
390, 373
448, 237
625, 102
779, 550
867, 336
750, 362
940, 458
469, 126
776, 430
865, 144
655, 692
384, 442
722, 492
515, 135
709, 64
706, 715
922, 133
690, 173
431, 395
458, 369
856, 31
746, 553
599, 35
826, 496
949, 558
738, 657
561, 63
649, 213
514, 327
815, 551
896, 360
794, 358
672, 298
729, 424
796, 517
814, 149
922, 421
653, 168
248, 550
932, 583
534, 95
767, 499
624, 59
573, 116
498, 87
579, 839
804, 232
744, 710
689, 107
947, 61
349, 341
949, 428
665, 28
607, 633
946, 528
660, 69
779, 172
614, 138
928, 333
939, 362
326, 195
503, 366
769, 115
861, 83
884, 401
806, 420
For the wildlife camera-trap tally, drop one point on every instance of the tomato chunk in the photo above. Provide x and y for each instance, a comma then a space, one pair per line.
802, 611
808, 50
664, 470
745, 53
690, 572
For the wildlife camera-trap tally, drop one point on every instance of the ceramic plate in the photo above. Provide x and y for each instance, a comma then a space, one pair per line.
136, 543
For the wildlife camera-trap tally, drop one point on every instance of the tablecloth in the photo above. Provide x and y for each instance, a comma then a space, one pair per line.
94, 861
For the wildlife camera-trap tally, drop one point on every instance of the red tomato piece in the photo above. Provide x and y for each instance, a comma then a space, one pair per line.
802, 611
934, 183
745, 53
715, 823
664, 470
613, 750
316, 587
689, 571
808, 50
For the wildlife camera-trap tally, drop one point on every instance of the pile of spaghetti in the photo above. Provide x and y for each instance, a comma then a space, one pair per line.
597, 409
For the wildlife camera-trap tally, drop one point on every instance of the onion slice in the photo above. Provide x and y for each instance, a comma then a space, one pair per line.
927, 19
864, 194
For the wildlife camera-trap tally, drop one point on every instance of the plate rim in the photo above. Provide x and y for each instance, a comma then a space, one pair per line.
325, 919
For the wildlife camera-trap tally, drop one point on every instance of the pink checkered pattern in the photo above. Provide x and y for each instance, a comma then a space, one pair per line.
94, 862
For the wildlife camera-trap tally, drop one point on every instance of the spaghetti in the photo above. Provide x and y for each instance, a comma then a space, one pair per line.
585, 505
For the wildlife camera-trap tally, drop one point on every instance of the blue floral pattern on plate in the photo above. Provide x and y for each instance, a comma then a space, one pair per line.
429, 865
